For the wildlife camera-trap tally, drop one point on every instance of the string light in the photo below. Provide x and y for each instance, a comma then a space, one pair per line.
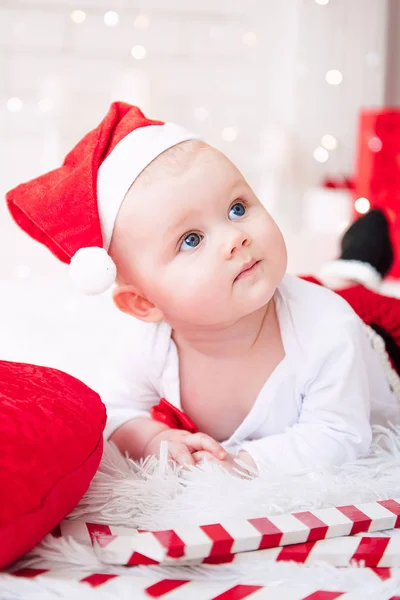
321, 2
329, 142
111, 18
362, 205
14, 104
249, 38
229, 134
78, 16
375, 144
201, 113
141, 22
45, 104
139, 52
334, 77
321, 154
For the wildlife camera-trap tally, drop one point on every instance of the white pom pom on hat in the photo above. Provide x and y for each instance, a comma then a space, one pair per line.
72, 210
92, 270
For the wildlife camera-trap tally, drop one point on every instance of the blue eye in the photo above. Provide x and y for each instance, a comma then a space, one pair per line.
191, 241
237, 210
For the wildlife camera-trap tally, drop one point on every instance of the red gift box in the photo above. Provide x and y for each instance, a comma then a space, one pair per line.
377, 174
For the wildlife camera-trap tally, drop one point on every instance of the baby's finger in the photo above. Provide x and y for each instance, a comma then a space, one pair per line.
203, 455
180, 454
202, 441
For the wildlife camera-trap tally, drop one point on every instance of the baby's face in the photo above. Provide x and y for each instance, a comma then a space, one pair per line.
197, 242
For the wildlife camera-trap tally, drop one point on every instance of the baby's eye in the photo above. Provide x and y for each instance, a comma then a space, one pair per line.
191, 241
237, 210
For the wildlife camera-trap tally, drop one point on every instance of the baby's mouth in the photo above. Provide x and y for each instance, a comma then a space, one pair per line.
247, 269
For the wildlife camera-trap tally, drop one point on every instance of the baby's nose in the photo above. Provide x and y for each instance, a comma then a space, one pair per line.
235, 240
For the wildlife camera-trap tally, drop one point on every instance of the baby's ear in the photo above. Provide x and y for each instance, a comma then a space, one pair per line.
128, 300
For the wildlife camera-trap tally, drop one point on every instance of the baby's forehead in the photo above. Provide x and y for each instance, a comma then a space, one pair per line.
177, 171
184, 176
176, 160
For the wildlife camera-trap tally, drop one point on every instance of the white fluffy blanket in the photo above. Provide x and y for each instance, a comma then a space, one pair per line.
154, 495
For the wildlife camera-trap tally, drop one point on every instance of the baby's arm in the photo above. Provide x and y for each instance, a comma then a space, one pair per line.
142, 437
333, 425
135, 435
129, 394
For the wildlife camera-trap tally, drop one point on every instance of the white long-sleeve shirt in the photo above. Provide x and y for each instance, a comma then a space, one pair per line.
315, 408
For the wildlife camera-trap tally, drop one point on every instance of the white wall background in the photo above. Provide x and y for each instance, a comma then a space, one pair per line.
256, 67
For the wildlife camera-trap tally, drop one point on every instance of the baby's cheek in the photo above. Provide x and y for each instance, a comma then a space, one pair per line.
179, 286
196, 297
266, 226
194, 288
272, 240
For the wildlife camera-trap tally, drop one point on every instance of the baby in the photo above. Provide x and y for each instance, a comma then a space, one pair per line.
264, 367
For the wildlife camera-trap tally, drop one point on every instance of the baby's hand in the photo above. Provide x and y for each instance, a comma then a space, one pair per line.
229, 463
182, 445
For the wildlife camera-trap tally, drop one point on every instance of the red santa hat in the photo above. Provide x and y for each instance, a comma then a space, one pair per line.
72, 210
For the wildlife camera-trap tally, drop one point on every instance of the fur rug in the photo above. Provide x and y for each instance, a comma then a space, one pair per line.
155, 495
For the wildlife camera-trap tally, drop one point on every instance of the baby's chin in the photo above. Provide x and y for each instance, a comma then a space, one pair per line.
255, 296
252, 307
245, 308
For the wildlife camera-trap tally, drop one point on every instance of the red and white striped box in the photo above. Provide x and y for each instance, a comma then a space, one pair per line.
208, 543
373, 552
178, 589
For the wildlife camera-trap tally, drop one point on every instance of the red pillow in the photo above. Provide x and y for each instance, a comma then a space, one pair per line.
51, 442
